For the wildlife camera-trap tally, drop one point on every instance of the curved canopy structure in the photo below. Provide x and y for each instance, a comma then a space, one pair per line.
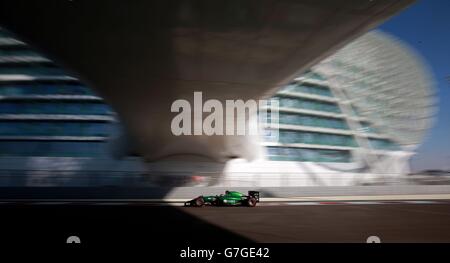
386, 82
143, 55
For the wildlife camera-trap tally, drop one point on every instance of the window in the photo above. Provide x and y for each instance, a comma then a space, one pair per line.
309, 88
45, 89
307, 155
55, 128
12, 52
33, 71
308, 104
316, 138
53, 148
366, 127
384, 144
314, 75
54, 107
310, 120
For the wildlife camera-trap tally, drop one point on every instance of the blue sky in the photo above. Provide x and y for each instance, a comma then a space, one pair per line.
426, 27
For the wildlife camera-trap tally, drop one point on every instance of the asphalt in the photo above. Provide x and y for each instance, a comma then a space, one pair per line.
334, 223
139, 224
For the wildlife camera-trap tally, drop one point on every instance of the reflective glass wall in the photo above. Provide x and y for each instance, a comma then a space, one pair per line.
46, 112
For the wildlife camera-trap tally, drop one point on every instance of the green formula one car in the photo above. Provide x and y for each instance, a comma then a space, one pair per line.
230, 198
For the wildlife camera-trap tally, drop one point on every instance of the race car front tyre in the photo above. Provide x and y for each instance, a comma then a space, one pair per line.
199, 202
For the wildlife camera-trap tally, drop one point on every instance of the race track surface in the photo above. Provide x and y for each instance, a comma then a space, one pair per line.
115, 223
334, 223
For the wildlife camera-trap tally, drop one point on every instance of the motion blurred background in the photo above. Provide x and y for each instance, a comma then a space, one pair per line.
364, 112
86, 147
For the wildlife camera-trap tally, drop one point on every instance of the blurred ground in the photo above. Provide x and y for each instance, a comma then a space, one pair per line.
341, 223
137, 225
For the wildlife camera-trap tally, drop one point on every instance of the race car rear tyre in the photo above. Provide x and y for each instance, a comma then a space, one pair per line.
251, 202
199, 202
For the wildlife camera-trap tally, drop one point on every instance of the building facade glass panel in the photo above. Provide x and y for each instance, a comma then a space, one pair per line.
368, 128
314, 75
54, 128
32, 70
53, 148
310, 120
316, 138
307, 155
44, 89
308, 88
384, 144
15, 52
301, 103
54, 107
43, 138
